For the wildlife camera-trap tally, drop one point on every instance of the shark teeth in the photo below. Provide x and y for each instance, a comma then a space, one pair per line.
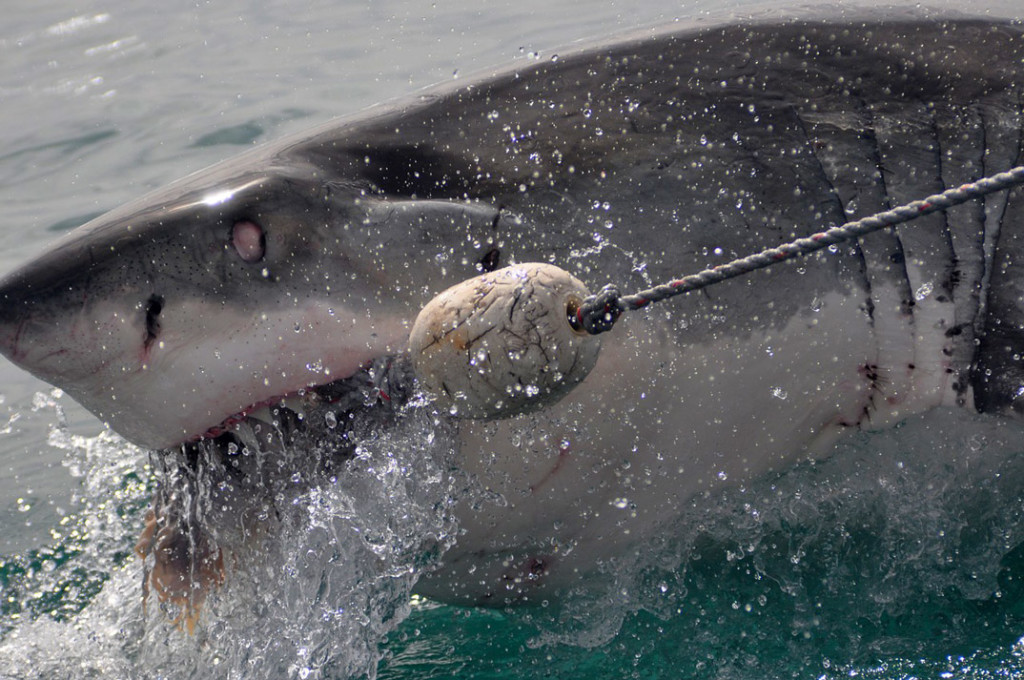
384, 380
270, 413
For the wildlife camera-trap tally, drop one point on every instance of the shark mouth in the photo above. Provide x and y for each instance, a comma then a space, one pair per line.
223, 494
319, 413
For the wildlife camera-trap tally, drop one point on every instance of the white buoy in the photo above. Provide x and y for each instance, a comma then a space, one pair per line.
502, 343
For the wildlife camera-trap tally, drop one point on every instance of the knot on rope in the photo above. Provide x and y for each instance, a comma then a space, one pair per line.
599, 312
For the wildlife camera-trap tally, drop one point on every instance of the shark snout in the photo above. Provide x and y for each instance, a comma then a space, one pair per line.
55, 326
63, 345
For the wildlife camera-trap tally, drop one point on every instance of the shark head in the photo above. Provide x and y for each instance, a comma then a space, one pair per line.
228, 291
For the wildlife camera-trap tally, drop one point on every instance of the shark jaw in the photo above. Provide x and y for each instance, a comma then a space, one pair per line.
208, 368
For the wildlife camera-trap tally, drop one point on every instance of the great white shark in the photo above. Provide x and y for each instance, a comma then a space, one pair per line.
284, 272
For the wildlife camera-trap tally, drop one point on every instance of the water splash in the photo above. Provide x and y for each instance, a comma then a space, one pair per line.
311, 587
899, 554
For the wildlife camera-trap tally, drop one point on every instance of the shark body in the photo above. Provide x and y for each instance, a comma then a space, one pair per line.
288, 269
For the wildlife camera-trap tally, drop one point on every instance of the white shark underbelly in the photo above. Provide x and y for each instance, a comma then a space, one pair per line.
659, 423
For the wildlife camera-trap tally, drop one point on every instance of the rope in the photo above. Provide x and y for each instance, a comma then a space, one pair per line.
599, 312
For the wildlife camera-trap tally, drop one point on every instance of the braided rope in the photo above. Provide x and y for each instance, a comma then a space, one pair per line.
599, 312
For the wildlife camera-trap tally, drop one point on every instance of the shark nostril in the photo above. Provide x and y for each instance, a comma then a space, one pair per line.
154, 305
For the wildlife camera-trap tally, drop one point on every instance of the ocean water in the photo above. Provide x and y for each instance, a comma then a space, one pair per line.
901, 555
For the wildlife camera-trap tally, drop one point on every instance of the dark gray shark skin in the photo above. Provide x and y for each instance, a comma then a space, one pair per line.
631, 162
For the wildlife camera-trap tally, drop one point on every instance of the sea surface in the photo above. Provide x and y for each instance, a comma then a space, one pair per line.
901, 555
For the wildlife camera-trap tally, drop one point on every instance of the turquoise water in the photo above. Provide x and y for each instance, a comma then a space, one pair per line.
898, 556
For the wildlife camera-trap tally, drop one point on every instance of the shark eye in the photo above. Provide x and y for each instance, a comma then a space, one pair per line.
249, 241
